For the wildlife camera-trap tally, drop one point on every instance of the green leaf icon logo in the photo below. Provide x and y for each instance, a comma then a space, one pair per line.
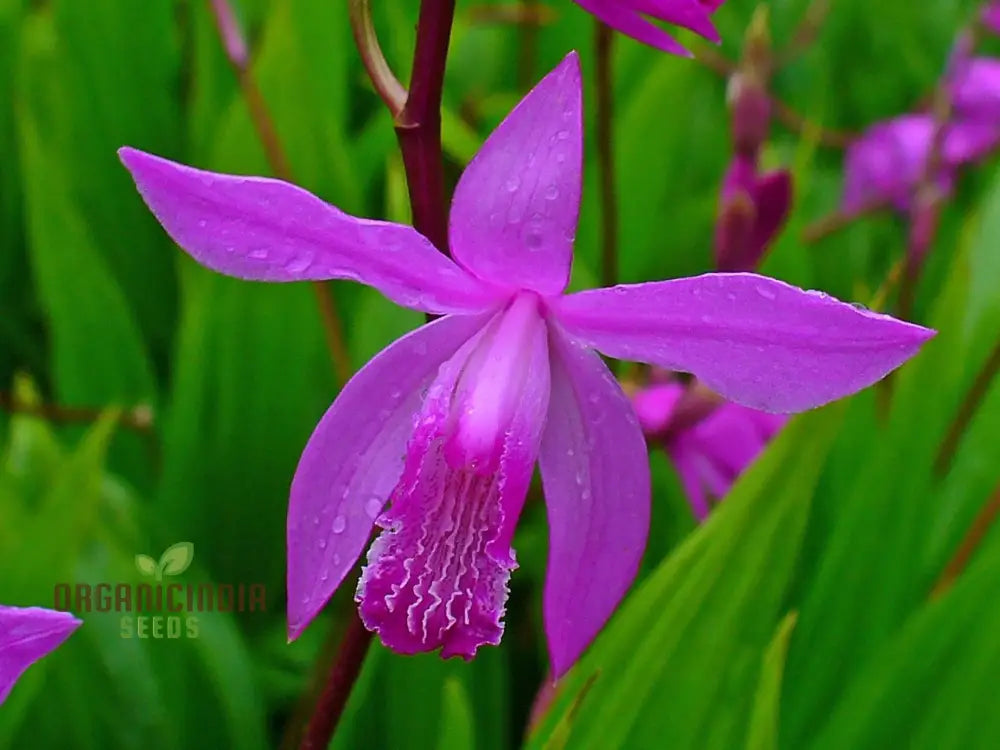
175, 559
145, 564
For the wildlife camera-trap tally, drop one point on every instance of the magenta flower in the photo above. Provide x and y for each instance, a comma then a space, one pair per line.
974, 87
885, 165
26, 635
710, 454
752, 209
447, 423
628, 17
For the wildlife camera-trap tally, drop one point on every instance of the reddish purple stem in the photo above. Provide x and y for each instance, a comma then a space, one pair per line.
418, 126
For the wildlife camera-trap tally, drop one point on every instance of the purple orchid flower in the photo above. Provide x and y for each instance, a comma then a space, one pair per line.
753, 207
26, 635
974, 89
885, 165
710, 454
448, 422
628, 17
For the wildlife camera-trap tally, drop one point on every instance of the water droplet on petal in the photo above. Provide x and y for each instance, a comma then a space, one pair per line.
570, 452
322, 543
259, 253
202, 223
766, 293
373, 506
513, 184
339, 524
552, 192
299, 263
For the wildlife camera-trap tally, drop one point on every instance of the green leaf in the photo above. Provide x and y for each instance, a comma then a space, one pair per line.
176, 559
458, 732
99, 354
763, 732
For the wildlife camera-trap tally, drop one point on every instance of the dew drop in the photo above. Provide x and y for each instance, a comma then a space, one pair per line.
298, 264
551, 192
373, 506
259, 253
336, 560
395, 393
339, 524
513, 184
563, 135
322, 543
202, 223
766, 293
570, 452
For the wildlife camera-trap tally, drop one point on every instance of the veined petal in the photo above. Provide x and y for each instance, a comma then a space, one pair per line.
26, 635
628, 21
516, 206
754, 340
354, 459
595, 473
437, 575
267, 230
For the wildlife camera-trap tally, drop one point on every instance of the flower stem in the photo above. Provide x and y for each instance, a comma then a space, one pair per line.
787, 116
418, 125
970, 542
973, 399
385, 82
604, 38
139, 419
239, 59
343, 674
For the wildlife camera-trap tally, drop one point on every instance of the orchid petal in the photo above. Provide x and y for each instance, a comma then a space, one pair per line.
266, 230
595, 473
516, 206
754, 340
688, 14
354, 459
26, 635
629, 22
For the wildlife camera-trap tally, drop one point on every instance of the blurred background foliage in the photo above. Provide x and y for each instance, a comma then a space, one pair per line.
157, 402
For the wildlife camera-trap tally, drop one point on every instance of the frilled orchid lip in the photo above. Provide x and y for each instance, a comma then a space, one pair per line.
437, 575
529, 384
